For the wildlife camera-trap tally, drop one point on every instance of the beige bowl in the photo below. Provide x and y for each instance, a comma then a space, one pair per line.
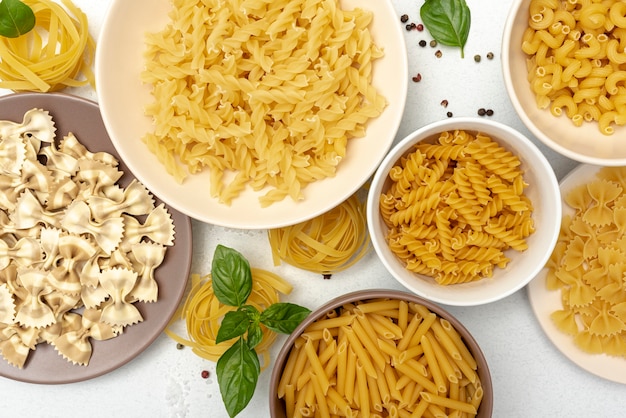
543, 192
277, 406
585, 143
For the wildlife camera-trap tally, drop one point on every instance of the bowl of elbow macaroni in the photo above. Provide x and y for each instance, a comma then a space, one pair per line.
564, 68
464, 211
380, 353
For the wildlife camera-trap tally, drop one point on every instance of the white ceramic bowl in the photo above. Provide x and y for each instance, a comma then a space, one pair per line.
122, 98
542, 190
585, 143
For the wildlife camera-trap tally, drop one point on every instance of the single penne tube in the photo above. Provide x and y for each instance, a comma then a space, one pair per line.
349, 385
320, 395
289, 397
419, 410
403, 315
316, 366
433, 365
338, 322
377, 305
376, 402
446, 342
361, 381
383, 389
449, 403
391, 377
377, 356
342, 364
424, 326
428, 385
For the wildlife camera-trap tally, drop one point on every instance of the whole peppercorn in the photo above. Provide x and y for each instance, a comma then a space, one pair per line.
420, 27
179, 346
417, 78
438, 54
490, 55
404, 18
489, 112
477, 58
422, 43
444, 103
449, 114
205, 374
482, 111
433, 43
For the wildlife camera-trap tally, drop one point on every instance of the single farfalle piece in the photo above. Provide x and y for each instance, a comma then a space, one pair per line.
25, 252
61, 194
108, 233
148, 257
136, 201
13, 350
157, 227
29, 213
73, 252
34, 312
62, 165
117, 310
12, 155
71, 146
93, 176
36, 177
36, 123
75, 345
7, 305
602, 192
68, 321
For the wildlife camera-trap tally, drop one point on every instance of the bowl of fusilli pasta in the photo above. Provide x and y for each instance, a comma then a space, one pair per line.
464, 211
564, 68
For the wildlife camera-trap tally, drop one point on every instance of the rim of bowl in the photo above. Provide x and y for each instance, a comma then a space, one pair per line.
486, 406
472, 124
517, 105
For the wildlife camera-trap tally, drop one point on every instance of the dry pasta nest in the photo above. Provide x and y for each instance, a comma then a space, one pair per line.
326, 244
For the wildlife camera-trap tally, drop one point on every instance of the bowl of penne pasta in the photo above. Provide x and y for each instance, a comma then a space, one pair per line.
464, 211
564, 68
380, 353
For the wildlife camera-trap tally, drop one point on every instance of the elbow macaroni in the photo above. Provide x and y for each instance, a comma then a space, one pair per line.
577, 60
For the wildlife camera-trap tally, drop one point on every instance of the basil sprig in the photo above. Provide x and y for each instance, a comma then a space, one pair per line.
16, 18
238, 368
448, 21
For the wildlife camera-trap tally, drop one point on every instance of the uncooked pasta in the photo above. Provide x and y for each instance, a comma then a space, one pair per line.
328, 243
57, 53
261, 95
202, 313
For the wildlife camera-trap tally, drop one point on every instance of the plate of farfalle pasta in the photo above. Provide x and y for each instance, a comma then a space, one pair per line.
92, 264
579, 297
253, 114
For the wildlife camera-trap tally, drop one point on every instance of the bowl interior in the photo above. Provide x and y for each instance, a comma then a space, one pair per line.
585, 143
277, 407
542, 190
122, 98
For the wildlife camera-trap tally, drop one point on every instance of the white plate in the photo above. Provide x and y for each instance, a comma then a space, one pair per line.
544, 302
122, 98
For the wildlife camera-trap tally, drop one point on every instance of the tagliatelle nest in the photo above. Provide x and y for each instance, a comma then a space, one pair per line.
77, 250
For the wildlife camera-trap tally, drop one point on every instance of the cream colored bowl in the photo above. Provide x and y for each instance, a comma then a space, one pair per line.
542, 190
585, 143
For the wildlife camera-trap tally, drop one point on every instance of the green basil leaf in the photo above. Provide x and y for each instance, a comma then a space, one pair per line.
283, 317
16, 18
234, 324
255, 335
448, 21
231, 275
237, 375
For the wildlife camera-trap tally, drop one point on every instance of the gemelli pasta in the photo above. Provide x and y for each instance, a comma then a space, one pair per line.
380, 357
261, 94
455, 205
577, 60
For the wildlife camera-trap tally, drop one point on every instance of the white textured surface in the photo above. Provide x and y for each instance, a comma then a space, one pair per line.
531, 378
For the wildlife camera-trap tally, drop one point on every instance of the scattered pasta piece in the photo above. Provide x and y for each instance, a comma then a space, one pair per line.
326, 244
453, 207
577, 61
202, 314
77, 250
387, 357
262, 95
57, 53
589, 262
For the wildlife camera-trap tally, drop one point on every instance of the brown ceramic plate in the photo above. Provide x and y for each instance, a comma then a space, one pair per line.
44, 365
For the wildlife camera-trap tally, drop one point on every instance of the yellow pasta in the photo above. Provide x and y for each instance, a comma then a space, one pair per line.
587, 264
262, 95
453, 207
328, 243
576, 59
57, 53
202, 313
428, 382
